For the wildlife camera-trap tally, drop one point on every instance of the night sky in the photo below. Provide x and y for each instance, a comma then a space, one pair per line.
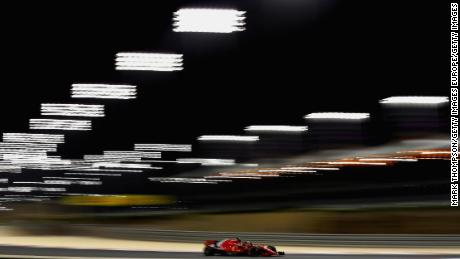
295, 57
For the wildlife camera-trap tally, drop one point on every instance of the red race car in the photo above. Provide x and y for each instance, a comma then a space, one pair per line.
235, 246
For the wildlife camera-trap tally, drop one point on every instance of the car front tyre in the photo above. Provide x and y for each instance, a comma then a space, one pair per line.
253, 251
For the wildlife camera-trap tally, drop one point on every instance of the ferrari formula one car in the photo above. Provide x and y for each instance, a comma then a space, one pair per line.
235, 246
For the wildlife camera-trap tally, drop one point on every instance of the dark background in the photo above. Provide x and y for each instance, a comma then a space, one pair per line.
295, 57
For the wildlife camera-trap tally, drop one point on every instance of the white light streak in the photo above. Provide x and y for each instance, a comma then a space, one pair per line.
182, 180
119, 156
70, 182
101, 158
163, 147
148, 154
104, 91
123, 155
58, 124
78, 110
23, 151
124, 165
338, 116
94, 174
72, 178
148, 61
259, 174
310, 168
33, 138
27, 148
117, 170
21, 189
285, 171
30, 161
276, 128
415, 100
24, 189
207, 161
208, 20
234, 177
51, 189
351, 163
158, 161
230, 138
10, 169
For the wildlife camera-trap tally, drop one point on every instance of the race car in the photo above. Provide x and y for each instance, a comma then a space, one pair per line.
235, 246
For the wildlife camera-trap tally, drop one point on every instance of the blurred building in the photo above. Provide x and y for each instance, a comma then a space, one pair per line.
409, 116
334, 129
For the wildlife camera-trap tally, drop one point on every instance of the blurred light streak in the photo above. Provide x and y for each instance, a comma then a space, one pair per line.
276, 128
71, 178
123, 155
207, 161
208, 20
427, 154
124, 165
52, 189
23, 189
20, 182
158, 161
310, 168
435, 153
118, 170
94, 174
59, 124
120, 157
99, 158
258, 174
33, 138
230, 138
22, 151
389, 159
148, 61
78, 110
104, 91
148, 154
163, 147
285, 171
182, 180
349, 163
69, 182
112, 158
338, 115
8, 168
249, 165
118, 200
85, 194
415, 100
234, 177
43, 147
35, 160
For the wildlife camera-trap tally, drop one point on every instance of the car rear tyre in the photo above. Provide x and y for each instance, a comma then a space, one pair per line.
208, 251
